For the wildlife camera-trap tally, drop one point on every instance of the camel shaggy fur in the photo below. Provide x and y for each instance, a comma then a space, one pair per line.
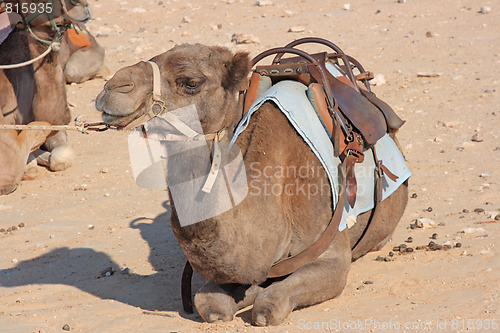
235, 250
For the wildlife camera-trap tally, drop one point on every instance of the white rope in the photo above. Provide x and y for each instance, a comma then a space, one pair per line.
29, 62
40, 127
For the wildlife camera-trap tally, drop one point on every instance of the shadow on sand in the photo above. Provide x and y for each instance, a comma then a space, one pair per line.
85, 268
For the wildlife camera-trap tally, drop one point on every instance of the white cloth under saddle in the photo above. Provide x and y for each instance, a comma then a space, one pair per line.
292, 100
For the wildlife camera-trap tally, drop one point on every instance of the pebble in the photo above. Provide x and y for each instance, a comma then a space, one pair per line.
465, 210
409, 240
458, 245
479, 210
477, 137
263, 3
104, 170
429, 209
378, 80
471, 230
429, 74
414, 196
296, 29
380, 258
434, 236
450, 124
485, 10
401, 1
66, 327
368, 282
245, 39
5, 207
425, 223
186, 19
186, 34
347, 6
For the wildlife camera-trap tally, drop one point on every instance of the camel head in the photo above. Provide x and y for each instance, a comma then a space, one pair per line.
208, 77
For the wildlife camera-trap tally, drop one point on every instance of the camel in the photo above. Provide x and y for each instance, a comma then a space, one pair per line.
82, 62
37, 92
235, 250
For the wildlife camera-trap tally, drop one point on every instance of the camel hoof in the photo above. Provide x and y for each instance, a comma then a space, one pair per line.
31, 171
269, 311
61, 157
214, 309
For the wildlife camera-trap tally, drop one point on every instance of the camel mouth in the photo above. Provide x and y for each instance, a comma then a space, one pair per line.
111, 117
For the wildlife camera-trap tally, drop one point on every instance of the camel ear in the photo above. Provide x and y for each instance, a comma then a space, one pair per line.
238, 68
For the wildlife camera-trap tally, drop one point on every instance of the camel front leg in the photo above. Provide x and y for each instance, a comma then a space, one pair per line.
315, 282
221, 302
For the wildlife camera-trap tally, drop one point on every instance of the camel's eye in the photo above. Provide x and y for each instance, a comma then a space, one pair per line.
190, 85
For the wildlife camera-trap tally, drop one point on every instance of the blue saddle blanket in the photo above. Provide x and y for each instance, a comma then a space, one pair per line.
292, 100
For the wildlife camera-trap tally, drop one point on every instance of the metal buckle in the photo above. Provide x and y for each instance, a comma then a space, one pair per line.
160, 104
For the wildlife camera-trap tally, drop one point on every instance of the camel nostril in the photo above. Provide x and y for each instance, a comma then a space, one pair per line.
122, 88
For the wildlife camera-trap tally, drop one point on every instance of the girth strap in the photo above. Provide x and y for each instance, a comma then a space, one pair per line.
289, 265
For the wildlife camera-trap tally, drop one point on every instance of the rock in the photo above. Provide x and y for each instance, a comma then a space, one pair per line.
186, 34
425, 223
485, 10
245, 39
289, 13
431, 34
66, 327
347, 6
484, 175
186, 19
368, 282
296, 29
263, 3
471, 230
401, 1
477, 137
138, 10
434, 236
479, 210
429, 74
378, 80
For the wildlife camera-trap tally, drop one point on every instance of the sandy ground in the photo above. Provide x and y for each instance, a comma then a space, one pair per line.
92, 218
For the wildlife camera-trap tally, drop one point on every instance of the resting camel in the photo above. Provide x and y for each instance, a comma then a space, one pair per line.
37, 92
235, 250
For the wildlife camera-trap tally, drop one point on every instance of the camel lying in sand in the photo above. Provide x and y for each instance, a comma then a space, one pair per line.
37, 92
235, 250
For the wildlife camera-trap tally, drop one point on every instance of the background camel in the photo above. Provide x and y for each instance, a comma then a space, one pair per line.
37, 92
235, 250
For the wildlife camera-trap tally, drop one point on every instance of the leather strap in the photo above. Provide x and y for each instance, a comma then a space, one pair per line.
289, 265
251, 92
187, 275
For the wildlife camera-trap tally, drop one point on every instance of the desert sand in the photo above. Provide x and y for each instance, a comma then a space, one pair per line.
93, 251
